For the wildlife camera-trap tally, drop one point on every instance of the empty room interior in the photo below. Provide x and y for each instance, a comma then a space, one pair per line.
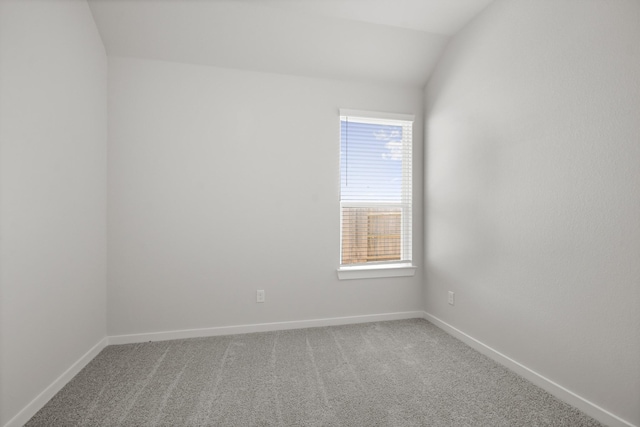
320, 213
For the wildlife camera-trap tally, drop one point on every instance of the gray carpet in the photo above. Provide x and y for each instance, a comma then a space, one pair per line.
400, 373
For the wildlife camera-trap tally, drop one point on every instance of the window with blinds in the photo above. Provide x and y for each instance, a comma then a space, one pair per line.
375, 188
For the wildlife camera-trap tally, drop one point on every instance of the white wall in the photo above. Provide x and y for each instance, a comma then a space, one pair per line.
53, 194
222, 182
533, 183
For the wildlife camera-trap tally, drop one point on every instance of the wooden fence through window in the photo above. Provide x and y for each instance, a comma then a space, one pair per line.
371, 234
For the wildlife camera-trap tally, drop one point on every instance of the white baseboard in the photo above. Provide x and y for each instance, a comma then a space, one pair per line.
541, 381
36, 404
261, 327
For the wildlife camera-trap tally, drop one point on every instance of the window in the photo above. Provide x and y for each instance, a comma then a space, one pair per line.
375, 194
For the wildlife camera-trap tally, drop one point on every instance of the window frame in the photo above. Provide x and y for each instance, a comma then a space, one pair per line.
403, 267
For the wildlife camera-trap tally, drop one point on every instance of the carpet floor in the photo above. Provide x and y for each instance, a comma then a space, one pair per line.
398, 373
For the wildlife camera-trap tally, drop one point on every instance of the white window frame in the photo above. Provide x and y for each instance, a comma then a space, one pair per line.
386, 269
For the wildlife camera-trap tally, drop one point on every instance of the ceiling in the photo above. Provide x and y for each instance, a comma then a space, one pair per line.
389, 41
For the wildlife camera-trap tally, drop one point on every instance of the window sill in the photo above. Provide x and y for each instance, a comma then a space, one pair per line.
376, 271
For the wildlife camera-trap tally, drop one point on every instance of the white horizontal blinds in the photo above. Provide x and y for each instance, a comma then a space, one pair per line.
375, 190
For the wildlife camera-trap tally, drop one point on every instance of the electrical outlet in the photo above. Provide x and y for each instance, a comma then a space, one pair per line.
452, 298
260, 295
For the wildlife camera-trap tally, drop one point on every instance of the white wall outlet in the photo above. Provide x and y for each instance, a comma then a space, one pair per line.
452, 298
260, 295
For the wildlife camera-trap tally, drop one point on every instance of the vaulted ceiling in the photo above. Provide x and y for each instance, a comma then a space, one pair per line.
390, 41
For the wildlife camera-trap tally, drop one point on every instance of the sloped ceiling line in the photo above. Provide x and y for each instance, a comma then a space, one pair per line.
384, 41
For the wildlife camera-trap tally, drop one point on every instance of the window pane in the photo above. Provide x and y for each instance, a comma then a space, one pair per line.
371, 160
375, 189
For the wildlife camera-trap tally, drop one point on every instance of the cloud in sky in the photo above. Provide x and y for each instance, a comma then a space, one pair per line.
387, 134
395, 150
